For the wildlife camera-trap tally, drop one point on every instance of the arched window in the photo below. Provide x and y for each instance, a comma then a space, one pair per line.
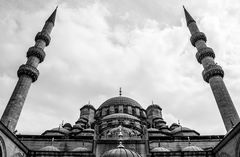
125, 109
133, 112
237, 149
116, 109
17, 155
3, 152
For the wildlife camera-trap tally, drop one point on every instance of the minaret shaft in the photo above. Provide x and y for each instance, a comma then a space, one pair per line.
27, 74
213, 74
224, 102
14, 107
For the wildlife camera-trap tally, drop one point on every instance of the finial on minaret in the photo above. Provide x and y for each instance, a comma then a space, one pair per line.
188, 17
52, 16
89, 102
178, 122
120, 91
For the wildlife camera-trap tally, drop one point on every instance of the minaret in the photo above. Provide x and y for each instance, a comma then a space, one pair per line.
27, 73
212, 74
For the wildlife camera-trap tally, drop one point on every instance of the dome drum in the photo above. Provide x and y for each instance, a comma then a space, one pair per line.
119, 105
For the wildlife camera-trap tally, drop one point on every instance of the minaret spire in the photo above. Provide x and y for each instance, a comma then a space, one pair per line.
52, 17
212, 74
27, 74
188, 17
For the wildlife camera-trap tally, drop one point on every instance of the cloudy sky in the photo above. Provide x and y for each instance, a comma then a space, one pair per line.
100, 45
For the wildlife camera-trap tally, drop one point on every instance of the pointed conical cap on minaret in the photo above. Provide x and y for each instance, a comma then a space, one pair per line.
188, 17
53, 16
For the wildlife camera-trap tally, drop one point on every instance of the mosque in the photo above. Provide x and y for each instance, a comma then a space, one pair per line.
120, 127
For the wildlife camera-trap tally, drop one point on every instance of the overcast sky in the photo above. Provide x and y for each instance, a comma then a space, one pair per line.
99, 46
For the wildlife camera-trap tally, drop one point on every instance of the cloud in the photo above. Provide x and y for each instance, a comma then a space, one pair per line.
99, 46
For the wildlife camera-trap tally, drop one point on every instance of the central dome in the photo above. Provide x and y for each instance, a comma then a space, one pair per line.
120, 100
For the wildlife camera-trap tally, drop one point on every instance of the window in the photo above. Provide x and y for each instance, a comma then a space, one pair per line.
3, 152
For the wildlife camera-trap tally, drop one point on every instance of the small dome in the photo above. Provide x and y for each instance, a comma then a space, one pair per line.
57, 131
154, 106
160, 149
50, 148
60, 129
186, 131
192, 148
88, 106
174, 126
67, 126
120, 100
120, 152
80, 149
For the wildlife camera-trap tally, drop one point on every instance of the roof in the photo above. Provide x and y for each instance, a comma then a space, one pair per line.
120, 100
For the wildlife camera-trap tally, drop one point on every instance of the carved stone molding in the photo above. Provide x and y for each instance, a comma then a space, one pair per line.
29, 71
212, 70
204, 52
37, 52
197, 36
43, 36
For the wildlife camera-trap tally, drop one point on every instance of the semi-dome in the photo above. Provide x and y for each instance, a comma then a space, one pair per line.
50, 148
120, 100
80, 149
160, 149
67, 126
121, 151
184, 131
119, 116
192, 148
56, 131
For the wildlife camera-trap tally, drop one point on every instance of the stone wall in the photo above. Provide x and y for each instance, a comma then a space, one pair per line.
230, 145
35, 143
10, 145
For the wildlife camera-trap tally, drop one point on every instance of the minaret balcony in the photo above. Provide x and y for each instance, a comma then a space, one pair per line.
36, 52
43, 36
212, 70
204, 52
197, 36
29, 71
